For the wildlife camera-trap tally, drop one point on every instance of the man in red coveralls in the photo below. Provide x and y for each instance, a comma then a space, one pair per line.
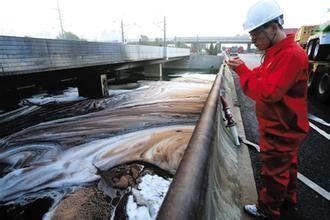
279, 88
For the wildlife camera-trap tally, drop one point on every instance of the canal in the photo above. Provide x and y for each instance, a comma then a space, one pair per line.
65, 156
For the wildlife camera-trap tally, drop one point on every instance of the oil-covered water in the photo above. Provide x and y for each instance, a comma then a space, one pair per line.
52, 145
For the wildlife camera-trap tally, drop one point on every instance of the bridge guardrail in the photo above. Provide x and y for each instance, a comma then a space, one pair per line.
187, 194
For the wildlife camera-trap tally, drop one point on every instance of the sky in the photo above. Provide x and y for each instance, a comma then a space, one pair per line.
100, 20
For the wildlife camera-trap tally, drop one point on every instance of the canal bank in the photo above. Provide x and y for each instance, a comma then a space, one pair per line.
152, 123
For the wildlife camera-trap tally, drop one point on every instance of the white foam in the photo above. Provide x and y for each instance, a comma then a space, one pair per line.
69, 95
136, 212
145, 201
51, 175
29, 154
12, 115
195, 76
73, 166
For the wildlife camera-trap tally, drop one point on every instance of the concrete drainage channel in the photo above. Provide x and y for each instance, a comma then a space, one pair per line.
213, 181
215, 178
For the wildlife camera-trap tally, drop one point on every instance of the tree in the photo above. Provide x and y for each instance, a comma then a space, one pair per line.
180, 44
216, 49
213, 50
67, 35
143, 39
197, 47
158, 42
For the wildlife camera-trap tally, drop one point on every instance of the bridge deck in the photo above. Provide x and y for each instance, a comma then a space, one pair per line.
21, 55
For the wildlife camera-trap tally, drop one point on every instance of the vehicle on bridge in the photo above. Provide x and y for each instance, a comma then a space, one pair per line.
318, 51
304, 33
318, 44
235, 50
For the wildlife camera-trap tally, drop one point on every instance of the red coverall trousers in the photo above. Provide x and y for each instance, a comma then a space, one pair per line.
278, 174
279, 88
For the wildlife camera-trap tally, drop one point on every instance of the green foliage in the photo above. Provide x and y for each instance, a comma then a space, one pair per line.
197, 47
144, 40
213, 50
180, 44
67, 35
325, 27
158, 42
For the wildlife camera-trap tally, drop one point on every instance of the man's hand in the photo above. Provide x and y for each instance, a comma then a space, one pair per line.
233, 63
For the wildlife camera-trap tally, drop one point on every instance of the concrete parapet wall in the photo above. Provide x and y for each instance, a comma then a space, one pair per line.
214, 179
20, 55
196, 62
231, 183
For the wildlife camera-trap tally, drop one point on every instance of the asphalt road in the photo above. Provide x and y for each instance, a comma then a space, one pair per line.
314, 154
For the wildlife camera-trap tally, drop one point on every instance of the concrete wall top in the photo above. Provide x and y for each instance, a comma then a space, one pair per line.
22, 55
197, 62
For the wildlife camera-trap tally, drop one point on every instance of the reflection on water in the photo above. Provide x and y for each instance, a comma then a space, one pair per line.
58, 145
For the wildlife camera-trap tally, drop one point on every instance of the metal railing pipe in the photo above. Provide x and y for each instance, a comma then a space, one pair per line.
187, 191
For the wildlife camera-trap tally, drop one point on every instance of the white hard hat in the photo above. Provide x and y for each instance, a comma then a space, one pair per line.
262, 12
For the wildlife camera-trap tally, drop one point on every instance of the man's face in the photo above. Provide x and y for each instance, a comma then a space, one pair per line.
259, 38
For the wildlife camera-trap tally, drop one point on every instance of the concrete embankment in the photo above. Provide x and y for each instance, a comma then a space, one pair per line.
196, 62
221, 182
231, 181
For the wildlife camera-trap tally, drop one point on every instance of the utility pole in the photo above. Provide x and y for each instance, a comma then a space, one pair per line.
164, 43
165, 48
60, 18
122, 31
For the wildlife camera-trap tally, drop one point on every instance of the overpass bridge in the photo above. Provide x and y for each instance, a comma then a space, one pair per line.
244, 39
24, 60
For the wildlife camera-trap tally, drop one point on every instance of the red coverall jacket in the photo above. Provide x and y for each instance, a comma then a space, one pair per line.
279, 87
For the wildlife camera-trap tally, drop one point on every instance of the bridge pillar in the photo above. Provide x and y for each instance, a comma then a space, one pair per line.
249, 47
93, 86
154, 71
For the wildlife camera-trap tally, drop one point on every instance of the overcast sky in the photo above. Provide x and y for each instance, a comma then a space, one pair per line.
100, 19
